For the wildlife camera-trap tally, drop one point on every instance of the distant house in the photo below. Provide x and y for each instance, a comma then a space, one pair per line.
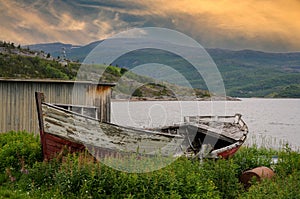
63, 62
17, 102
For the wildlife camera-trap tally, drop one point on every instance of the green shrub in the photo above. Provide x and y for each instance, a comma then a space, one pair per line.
40, 175
80, 176
225, 176
137, 93
123, 71
288, 162
18, 150
113, 70
55, 73
250, 157
279, 187
7, 192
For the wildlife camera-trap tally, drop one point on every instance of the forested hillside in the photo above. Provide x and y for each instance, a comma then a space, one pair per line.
18, 62
245, 73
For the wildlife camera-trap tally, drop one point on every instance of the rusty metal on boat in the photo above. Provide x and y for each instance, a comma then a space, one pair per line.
77, 128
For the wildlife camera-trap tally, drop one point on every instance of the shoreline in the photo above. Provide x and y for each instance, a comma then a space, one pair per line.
138, 99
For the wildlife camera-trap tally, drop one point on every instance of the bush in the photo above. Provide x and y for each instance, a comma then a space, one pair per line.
55, 73
79, 176
18, 151
288, 162
137, 93
279, 188
250, 157
113, 70
225, 176
123, 71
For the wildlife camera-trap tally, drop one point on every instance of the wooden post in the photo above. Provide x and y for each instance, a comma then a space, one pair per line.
108, 107
97, 103
39, 97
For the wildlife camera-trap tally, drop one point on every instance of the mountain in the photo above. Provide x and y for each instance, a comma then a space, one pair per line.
246, 73
73, 52
249, 73
24, 63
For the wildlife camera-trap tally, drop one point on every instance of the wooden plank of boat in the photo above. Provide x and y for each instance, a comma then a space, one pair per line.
230, 128
79, 130
59, 127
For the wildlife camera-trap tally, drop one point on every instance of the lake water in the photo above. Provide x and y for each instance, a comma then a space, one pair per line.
271, 122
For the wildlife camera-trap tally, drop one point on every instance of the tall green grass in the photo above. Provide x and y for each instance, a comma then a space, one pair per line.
24, 175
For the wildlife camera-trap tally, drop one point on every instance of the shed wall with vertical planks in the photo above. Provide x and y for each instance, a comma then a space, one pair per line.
17, 100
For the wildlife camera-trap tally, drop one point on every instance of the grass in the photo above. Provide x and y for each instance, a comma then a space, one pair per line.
78, 176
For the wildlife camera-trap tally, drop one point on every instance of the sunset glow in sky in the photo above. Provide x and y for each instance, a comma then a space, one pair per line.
250, 24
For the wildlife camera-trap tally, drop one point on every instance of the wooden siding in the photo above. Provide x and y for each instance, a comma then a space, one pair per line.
17, 102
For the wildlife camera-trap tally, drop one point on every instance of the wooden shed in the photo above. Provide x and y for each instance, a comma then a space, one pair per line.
17, 100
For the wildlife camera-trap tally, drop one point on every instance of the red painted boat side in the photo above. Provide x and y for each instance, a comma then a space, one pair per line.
54, 145
229, 153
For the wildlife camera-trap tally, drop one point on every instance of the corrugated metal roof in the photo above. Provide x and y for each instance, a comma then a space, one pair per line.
57, 81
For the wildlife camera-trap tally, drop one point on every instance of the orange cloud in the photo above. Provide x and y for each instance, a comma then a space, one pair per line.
251, 19
259, 24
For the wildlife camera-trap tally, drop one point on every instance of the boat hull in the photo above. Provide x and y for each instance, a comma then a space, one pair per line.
54, 145
64, 130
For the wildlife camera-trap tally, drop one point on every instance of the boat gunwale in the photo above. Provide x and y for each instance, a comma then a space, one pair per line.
243, 126
215, 153
115, 125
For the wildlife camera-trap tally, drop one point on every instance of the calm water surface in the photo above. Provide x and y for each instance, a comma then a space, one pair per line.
271, 122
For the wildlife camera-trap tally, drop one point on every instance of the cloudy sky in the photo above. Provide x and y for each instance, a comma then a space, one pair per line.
268, 25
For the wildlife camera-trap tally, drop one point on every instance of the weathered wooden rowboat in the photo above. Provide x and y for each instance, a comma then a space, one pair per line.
220, 136
77, 128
